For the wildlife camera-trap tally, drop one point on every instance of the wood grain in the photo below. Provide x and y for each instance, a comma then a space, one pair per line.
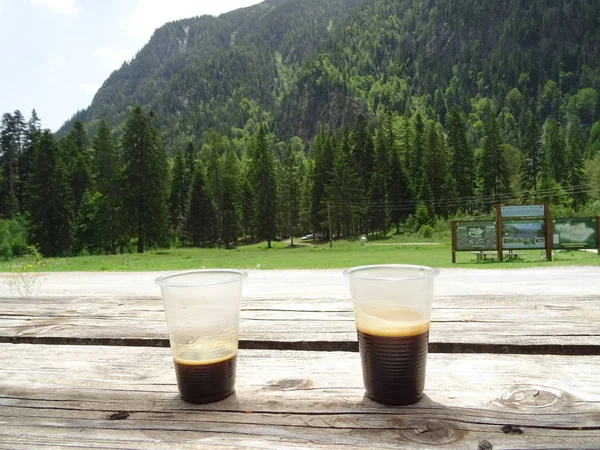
66, 396
510, 324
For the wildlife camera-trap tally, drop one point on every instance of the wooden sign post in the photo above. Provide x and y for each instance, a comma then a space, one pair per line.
548, 219
453, 241
499, 232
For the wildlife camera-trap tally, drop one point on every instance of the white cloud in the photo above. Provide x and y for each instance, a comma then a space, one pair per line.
90, 88
59, 6
1, 7
149, 15
54, 64
113, 57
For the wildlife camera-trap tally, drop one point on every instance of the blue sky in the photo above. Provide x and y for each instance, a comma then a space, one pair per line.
57, 53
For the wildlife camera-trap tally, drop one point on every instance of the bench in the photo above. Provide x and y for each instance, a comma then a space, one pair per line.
95, 372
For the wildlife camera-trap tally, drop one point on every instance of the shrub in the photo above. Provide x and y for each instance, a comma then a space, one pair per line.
13, 238
426, 231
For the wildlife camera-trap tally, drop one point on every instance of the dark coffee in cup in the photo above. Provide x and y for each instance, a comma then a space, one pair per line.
394, 357
206, 382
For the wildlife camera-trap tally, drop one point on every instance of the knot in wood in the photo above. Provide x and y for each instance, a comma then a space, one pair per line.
431, 432
533, 397
119, 415
511, 429
485, 445
290, 384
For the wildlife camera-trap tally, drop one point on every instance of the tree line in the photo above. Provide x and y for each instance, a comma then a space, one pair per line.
121, 191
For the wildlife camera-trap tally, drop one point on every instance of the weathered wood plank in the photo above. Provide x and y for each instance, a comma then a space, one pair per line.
65, 396
525, 324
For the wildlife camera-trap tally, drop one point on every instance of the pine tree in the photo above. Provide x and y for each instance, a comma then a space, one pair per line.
379, 187
247, 206
551, 192
20, 131
462, 158
291, 191
390, 132
323, 152
107, 222
50, 201
363, 151
434, 164
179, 199
407, 149
145, 179
399, 192
306, 190
8, 143
32, 137
344, 192
265, 187
555, 151
576, 179
533, 158
426, 195
425, 213
549, 105
200, 226
214, 181
494, 170
20, 141
190, 162
231, 197
76, 149
416, 167
423, 216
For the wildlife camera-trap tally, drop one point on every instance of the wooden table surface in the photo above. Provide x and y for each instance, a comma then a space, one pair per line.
504, 372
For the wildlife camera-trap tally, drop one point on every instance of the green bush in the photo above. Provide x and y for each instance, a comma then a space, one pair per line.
13, 238
426, 231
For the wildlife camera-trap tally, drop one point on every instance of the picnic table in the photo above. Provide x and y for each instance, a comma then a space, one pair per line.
483, 255
512, 255
509, 255
504, 371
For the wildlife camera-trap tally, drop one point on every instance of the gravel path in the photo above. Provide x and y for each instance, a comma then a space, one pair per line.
572, 281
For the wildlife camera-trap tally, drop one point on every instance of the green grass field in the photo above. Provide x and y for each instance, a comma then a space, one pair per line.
304, 256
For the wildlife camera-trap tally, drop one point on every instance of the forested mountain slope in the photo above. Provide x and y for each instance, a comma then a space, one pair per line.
438, 54
298, 63
218, 72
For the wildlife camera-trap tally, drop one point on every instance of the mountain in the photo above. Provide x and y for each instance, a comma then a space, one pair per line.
297, 64
207, 71
437, 54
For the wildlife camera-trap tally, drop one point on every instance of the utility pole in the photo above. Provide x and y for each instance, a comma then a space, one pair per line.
329, 220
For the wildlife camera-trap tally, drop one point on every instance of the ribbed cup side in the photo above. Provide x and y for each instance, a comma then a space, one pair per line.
394, 367
206, 383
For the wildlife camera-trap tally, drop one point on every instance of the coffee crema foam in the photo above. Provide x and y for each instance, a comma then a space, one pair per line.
391, 322
201, 355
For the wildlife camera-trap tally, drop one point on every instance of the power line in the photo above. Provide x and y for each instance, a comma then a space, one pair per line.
587, 188
464, 201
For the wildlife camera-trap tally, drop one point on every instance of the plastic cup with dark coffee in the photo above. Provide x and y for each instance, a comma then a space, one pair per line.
203, 316
392, 311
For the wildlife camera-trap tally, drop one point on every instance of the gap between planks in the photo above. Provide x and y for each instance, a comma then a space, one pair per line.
321, 346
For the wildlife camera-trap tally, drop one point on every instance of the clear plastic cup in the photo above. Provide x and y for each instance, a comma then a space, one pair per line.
203, 318
392, 311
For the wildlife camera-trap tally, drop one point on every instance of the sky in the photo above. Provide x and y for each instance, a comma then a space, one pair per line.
57, 53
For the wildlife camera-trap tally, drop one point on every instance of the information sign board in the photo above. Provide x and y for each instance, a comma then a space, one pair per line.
574, 233
476, 235
523, 234
522, 211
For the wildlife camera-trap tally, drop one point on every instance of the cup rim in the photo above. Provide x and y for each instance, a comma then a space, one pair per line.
164, 279
353, 272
